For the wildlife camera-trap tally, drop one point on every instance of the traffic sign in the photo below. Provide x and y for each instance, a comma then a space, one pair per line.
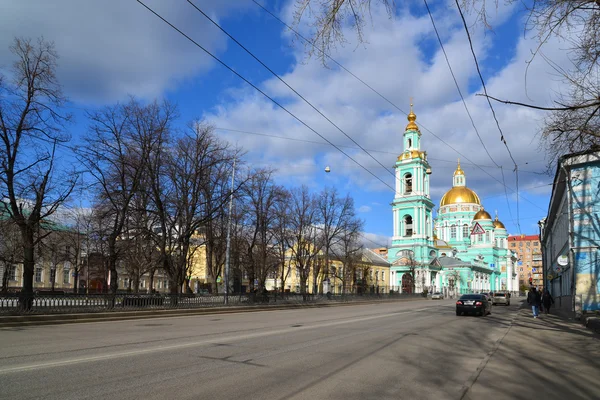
477, 229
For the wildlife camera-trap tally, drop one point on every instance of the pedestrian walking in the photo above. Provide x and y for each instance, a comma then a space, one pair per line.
535, 300
547, 301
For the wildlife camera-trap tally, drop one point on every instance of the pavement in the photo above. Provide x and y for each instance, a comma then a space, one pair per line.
549, 356
400, 350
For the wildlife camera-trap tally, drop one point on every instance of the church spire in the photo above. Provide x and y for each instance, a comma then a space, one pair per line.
459, 176
412, 117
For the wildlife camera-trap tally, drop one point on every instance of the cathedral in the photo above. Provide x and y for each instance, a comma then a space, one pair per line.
460, 250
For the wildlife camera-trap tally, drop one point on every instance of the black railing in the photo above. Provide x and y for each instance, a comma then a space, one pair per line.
18, 304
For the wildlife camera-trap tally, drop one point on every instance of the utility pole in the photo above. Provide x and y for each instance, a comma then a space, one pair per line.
227, 257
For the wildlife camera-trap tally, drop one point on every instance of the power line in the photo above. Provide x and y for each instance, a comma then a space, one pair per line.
465, 104
502, 138
286, 84
456, 83
260, 91
382, 96
355, 148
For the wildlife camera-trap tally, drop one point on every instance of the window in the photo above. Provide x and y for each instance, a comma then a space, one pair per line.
453, 232
408, 183
66, 275
409, 143
465, 231
480, 237
487, 237
12, 273
382, 275
528, 244
408, 225
38, 274
521, 244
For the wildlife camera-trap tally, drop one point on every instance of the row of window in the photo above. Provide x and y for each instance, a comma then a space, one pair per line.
527, 244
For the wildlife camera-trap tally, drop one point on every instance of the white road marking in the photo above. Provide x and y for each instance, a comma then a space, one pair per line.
52, 364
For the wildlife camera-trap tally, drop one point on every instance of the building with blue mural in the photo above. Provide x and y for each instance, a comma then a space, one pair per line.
570, 234
461, 249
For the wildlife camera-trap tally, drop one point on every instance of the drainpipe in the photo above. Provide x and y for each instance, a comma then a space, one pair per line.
570, 241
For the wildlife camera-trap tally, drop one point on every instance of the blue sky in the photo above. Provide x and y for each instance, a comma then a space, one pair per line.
110, 50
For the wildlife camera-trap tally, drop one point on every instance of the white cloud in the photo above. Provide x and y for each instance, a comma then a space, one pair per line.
364, 209
109, 49
394, 63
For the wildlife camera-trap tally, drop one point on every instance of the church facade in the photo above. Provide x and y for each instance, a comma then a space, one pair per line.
463, 249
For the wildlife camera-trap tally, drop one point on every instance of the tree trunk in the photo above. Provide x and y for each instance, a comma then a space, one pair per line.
26, 299
151, 285
5, 278
76, 281
136, 283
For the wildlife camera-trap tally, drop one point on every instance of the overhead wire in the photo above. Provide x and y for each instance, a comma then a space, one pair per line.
218, 128
298, 34
465, 104
502, 138
261, 91
284, 82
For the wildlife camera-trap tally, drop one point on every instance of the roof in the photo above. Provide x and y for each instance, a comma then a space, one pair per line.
523, 238
375, 258
446, 261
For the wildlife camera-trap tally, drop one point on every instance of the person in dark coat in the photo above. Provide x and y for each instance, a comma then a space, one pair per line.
535, 300
547, 301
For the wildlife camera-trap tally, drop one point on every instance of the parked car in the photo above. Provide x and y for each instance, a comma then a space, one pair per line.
501, 298
473, 303
437, 296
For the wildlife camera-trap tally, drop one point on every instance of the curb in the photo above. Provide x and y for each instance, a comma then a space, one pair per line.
60, 319
592, 323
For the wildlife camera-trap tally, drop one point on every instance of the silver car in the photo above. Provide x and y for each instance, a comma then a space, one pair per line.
437, 296
501, 298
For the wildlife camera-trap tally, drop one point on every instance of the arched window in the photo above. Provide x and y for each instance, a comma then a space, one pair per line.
453, 232
465, 231
487, 237
408, 225
409, 143
408, 183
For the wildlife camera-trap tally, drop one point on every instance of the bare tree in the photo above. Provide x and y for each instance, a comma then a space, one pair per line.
348, 251
262, 197
118, 147
303, 241
32, 126
188, 192
330, 17
336, 215
11, 250
74, 241
282, 236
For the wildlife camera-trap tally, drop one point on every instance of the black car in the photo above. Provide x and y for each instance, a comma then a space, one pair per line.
477, 304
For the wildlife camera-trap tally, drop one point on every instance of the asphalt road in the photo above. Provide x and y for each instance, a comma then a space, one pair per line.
402, 350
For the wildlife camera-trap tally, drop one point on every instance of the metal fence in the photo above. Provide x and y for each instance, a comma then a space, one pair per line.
16, 304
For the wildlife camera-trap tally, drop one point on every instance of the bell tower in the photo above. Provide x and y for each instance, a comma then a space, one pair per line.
412, 207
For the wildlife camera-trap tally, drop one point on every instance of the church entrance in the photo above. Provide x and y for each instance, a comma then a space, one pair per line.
407, 283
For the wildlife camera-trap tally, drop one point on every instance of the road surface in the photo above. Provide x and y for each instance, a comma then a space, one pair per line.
400, 350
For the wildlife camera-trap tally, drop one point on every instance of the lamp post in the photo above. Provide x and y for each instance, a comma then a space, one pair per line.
228, 246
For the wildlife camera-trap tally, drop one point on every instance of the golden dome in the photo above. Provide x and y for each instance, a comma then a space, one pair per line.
412, 126
459, 194
482, 214
459, 170
498, 224
409, 155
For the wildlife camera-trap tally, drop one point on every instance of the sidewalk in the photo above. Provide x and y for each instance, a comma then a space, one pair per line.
547, 357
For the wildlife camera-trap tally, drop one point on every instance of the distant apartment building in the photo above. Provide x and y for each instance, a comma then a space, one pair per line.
529, 259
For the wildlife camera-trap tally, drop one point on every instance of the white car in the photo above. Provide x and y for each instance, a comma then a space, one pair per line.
437, 296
